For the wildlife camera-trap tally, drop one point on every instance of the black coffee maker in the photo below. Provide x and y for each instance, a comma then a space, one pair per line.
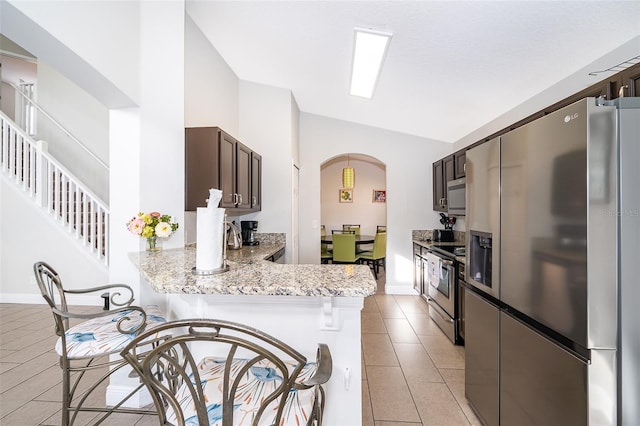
249, 228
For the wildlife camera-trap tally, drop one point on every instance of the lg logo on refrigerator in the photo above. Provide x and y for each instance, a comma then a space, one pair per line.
569, 117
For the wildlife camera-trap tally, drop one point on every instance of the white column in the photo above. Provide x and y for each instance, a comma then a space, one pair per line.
147, 152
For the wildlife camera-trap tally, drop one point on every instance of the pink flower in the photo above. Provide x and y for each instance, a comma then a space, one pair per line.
155, 215
136, 225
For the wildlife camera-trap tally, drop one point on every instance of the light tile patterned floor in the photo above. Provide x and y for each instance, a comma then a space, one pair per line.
412, 375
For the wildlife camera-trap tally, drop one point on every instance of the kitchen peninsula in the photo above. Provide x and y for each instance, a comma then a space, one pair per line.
303, 305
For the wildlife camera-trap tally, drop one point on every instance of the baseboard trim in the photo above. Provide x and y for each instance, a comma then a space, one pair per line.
400, 289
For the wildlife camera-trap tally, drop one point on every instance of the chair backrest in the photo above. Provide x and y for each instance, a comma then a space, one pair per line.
380, 245
243, 366
381, 228
52, 291
355, 228
344, 247
323, 231
342, 231
50, 284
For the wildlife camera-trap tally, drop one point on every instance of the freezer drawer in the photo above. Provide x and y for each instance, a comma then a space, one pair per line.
481, 357
540, 383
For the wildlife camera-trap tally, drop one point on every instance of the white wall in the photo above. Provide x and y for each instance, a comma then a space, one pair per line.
210, 86
266, 127
211, 91
8, 101
36, 238
362, 210
99, 34
148, 140
409, 202
81, 115
28, 235
262, 117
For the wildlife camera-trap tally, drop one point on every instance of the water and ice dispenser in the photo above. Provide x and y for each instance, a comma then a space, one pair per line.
479, 256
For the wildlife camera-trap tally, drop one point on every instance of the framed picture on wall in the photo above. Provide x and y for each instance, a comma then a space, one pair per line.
346, 195
379, 195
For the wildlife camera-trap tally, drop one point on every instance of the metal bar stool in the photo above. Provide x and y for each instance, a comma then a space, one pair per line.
214, 372
89, 345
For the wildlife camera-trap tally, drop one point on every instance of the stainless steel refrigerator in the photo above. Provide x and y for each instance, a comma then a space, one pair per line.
552, 231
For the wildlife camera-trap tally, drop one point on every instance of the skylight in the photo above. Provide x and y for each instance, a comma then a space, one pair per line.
369, 50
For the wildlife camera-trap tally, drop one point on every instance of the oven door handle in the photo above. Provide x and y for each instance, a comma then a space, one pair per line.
437, 309
446, 262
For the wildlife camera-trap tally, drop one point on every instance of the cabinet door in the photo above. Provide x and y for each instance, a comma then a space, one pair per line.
228, 170
448, 167
438, 187
243, 176
256, 181
201, 165
459, 169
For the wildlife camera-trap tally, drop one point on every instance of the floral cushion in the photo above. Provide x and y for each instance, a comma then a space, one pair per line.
99, 336
258, 382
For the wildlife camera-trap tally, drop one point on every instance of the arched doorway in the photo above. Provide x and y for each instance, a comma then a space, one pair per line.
364, 204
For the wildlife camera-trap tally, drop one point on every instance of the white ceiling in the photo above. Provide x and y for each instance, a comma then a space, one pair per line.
452, 66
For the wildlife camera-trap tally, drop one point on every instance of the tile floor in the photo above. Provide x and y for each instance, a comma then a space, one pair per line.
412, 375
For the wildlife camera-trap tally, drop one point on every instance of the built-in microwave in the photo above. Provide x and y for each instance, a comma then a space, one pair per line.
456, 193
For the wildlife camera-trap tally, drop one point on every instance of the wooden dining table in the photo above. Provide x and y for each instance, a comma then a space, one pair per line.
360, 239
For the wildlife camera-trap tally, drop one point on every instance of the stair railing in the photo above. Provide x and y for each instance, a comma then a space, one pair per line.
53, 187
53, 121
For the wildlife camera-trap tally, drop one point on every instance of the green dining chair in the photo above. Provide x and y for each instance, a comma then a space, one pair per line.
344, 248
377, 256
355, 228
326, 253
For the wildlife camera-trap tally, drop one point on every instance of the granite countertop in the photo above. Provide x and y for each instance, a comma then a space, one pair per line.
170, 271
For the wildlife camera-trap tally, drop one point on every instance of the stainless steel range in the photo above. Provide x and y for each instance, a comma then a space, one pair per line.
442, 290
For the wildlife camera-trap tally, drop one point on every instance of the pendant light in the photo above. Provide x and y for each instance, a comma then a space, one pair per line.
348, 175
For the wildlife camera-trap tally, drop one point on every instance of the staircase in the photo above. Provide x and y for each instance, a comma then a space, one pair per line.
53, 188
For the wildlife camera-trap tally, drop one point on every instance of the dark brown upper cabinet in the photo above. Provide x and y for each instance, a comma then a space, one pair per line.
202, 156
215, 159
445, 170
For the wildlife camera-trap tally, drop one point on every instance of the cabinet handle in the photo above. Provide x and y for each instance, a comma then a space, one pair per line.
464, 167
235, 198
254, 201
239, 199
621, 90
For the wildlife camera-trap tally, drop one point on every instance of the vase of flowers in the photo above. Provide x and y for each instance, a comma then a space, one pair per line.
152, 226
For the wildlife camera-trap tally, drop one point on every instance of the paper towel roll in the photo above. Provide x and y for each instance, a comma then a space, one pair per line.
209, 238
